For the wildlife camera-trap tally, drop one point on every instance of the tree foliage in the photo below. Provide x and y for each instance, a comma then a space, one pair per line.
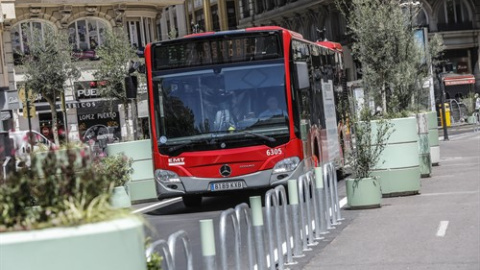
371, 137
117, 55
48, 64
393, 64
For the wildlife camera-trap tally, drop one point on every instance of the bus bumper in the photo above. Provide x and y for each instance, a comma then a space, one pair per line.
203, 186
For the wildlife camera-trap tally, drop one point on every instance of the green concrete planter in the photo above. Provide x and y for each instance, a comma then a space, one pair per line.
62, 157
142, 185
433, 138
398, 167
425, 162
471, 119
116, 244
120, 198
363, 193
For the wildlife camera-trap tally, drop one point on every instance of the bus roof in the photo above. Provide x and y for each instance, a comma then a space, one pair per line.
250, 29
331, 45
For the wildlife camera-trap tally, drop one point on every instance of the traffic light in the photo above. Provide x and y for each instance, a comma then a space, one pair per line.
131, 86
27, 99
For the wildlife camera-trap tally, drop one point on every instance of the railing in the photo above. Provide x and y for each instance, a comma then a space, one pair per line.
312, 203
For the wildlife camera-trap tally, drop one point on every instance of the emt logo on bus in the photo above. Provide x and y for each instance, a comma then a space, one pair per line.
176, 161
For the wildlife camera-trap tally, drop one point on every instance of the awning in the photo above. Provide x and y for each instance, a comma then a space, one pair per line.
455, 79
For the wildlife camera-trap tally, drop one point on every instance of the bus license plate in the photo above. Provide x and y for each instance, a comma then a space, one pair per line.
226, 185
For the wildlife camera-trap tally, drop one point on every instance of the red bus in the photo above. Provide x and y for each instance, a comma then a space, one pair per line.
238, 110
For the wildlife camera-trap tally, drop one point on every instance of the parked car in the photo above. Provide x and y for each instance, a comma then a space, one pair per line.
23, 143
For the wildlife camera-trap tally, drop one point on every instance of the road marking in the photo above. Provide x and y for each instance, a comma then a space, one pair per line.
450, 193
442, 228
343, 202
156, 205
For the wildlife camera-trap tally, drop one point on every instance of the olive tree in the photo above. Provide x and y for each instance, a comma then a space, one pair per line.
116, 55
48, 64
393, 64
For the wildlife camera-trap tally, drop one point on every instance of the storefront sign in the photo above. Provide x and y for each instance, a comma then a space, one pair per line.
13, 102
98, 125
462, 67
459, 80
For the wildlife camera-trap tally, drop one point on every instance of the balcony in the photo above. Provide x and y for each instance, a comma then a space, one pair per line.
455, 26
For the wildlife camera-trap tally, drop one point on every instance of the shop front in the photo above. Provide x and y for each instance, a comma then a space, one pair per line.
98, 118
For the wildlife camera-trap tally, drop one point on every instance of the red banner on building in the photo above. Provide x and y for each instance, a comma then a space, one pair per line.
459, 80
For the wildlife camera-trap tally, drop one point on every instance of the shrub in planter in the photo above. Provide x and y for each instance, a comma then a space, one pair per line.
119, 167
370, 138
63, 207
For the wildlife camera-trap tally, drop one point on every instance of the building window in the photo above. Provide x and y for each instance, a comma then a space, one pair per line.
86, 35
20, 34
245, 8
421, 18
231, 15
140, 32
454, 15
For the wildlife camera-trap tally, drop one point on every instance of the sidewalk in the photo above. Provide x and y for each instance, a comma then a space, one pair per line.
438, 229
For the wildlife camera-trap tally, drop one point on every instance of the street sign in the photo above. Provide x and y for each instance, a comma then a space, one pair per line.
27, 100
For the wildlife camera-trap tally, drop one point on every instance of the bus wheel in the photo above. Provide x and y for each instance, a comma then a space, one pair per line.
192, 201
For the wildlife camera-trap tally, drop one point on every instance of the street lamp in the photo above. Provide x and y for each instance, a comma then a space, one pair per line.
441, 83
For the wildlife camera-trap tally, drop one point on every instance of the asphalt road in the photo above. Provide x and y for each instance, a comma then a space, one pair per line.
456, 179
438, 229
174, 216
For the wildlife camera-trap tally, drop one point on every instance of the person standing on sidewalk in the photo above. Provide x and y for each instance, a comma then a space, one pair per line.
477, 103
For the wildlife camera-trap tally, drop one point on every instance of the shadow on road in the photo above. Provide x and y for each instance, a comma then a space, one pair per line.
209, 204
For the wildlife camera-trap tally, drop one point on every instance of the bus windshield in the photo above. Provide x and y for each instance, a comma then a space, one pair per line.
222, 107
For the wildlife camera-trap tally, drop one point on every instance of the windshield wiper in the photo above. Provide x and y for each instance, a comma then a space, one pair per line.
180, 146
268, 138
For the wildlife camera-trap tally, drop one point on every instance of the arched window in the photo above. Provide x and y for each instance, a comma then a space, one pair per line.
414, 12
20, 34
421, 18
454, 15
86, 35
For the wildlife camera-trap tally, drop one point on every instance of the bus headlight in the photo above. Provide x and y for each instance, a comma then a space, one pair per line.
166, 176
286, 165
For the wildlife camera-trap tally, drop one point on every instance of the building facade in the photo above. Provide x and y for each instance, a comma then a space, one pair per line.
86, 116
456, 21
7, 12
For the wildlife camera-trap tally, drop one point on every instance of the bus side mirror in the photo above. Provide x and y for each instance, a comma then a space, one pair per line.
302, 80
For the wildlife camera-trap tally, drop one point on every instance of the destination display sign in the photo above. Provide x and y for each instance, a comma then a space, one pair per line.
217, 50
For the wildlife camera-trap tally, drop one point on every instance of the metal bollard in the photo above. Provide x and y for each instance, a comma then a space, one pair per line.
282, 195
242, 210
332, 195
316, 211
328, 205
165, 252
293, 199
257, 221
271, 199
337, 201
319, 190
223, 238
207, 237
305, 211
172, 240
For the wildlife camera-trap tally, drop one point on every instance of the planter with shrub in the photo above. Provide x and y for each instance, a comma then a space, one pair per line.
370, 137
58, 216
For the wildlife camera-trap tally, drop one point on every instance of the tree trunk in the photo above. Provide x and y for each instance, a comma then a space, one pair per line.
384, 99
129, 132
53, 109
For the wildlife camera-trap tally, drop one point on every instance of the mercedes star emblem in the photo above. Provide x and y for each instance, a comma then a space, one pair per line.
225, 170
